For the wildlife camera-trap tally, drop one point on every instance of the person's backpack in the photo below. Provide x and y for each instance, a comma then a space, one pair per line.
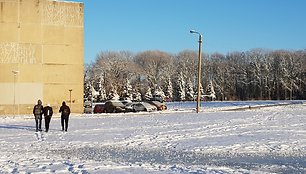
66, 111
37, 110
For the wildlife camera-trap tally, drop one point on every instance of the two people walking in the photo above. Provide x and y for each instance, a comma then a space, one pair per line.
47, 111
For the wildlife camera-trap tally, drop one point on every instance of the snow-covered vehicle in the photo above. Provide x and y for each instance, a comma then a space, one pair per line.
128, 105
158, 101
87, 107
144, 106
159, 105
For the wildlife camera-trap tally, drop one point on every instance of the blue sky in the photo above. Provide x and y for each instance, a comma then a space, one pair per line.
226, 25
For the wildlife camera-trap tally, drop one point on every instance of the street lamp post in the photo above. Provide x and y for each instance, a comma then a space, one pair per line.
70, 90
199, 68
15, 75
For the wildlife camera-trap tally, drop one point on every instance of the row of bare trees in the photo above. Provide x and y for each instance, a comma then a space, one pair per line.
255, 74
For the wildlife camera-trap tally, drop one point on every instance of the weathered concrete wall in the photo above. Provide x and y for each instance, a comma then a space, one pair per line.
44, 41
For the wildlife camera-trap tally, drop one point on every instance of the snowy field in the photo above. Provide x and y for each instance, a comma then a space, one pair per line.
220, 139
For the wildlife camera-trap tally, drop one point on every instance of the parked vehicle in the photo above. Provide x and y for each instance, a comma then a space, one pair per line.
128, 106
144, 106
116, 106
125, 102
99, 108
159, 105
87, 107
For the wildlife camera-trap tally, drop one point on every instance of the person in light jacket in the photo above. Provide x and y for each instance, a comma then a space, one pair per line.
48, 112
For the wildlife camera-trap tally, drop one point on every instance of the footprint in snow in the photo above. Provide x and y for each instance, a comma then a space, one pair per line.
61, 135
69, 166
40, 136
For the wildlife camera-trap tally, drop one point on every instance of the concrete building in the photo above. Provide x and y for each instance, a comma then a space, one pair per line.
41, 55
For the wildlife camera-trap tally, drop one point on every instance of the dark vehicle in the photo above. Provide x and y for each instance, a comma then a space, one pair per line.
159, 105
99, 108
114, 106
144, 106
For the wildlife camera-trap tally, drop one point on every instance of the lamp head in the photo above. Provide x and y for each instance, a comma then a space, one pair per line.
193, 31
196, 32
15, 72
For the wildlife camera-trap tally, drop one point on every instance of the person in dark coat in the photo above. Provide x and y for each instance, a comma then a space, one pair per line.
65, 110
48, 112
38, 111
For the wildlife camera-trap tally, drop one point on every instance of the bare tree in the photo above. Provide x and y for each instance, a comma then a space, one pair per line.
155, 65
254, 74
115, 67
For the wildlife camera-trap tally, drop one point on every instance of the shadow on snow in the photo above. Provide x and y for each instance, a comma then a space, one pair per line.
268, 163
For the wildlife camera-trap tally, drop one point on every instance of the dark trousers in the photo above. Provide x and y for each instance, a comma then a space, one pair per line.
38, 123
64, 120
47, 122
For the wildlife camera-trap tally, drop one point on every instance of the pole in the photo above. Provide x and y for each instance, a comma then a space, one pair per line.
15, 74
199, 69
70, 90
199, 73
14, 107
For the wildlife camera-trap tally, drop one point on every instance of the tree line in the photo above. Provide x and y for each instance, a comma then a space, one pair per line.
256, 74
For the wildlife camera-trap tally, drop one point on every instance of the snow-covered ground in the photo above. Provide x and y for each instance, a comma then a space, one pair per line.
259, 140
